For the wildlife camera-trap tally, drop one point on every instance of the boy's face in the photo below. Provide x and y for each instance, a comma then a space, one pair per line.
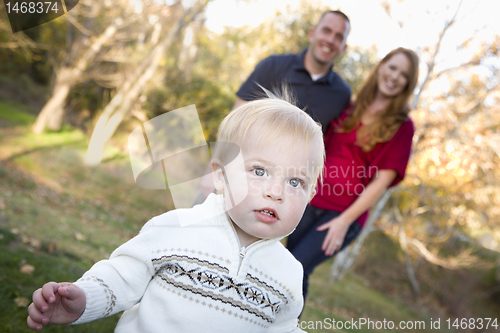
279, 184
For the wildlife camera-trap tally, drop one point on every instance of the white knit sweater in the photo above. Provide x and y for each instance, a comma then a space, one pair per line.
195, 278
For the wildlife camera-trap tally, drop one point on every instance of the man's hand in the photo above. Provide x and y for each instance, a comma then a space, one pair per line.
56, 303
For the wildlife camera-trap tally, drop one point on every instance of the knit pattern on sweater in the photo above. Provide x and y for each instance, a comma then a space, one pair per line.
211, 280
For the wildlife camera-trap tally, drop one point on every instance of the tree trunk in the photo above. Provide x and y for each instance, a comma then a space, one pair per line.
103, 130
52, 113
344, 259
403, 241
55, 104
128, 93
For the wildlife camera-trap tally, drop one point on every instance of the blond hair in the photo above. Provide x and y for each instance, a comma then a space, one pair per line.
276, 119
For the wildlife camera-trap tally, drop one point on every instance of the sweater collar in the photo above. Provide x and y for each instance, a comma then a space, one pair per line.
216, 201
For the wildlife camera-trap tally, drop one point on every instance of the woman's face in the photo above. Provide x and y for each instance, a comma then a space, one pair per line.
393, 75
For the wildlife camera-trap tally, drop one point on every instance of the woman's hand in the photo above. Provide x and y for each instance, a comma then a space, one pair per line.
337, 229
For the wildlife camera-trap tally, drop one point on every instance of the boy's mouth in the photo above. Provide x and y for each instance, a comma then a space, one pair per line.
267, 215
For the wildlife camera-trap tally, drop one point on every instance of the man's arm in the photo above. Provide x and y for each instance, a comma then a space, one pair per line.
239, 102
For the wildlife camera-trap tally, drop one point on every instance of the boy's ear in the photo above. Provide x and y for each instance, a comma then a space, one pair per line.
218, 175
313, 193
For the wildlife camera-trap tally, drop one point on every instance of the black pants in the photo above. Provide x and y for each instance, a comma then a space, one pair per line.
305, 242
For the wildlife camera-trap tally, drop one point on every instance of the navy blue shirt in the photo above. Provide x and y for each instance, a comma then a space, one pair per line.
323, 99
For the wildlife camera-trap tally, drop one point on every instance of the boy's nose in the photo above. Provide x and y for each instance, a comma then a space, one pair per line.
273, 191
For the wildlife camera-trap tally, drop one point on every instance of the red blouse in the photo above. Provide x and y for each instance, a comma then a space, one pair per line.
349, 169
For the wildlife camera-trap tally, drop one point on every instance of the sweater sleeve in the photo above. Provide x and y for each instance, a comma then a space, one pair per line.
287, 319
118, 283
287, 324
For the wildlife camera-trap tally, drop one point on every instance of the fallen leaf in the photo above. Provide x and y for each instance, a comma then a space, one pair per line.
27, 269
80, 236
35, 243
52, 247
21, 302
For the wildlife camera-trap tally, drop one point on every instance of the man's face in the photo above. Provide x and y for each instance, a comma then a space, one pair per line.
279, 184
328, 39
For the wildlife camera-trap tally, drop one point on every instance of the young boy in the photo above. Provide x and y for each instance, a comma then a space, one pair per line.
225, 271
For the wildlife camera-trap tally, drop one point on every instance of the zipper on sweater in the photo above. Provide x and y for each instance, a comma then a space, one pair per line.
243, 251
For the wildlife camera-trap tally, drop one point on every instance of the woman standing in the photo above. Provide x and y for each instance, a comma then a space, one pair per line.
367, 150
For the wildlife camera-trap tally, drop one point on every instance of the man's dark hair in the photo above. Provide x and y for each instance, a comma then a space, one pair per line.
338, 12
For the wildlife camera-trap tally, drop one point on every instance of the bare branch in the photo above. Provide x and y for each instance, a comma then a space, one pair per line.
77, 25
473, 62
463, 260
404, 247
432, 63
16, 45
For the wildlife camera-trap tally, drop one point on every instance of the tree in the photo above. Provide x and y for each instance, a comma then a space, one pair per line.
68, 76
128, 93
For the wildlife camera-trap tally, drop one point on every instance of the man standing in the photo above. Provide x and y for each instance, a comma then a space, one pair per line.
317, 88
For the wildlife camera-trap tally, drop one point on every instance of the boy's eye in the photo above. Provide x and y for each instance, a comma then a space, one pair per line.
295, 182
259, 172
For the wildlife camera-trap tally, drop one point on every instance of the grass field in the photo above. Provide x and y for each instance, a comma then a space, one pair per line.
58, 217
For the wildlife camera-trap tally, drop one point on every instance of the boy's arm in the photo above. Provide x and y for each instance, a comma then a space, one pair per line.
118, 283
287, 319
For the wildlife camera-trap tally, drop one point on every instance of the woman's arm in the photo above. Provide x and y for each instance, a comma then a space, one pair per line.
338, 226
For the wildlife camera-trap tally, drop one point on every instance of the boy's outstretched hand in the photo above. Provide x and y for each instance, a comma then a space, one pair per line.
56, 303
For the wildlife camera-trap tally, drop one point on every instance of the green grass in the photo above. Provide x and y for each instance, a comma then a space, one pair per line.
61, 216
56, 266
14, 116
352, 299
